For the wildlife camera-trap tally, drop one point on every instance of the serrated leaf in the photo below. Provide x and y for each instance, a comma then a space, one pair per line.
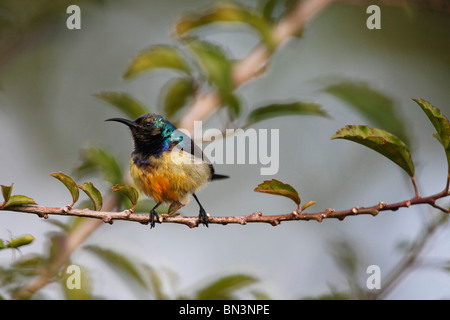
284, 109
124, 102
95, 159
227, 12
381, 141
69, 183
279, 188
440, 123
18, 200
119, 263
131, 193
176, 94
223, 288
159, 56
374, 105
6, 191
93, 194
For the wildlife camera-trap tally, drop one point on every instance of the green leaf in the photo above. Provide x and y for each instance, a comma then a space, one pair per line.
69, 183
131, 193
6, 191
20, 241
176, 94
381, 141
440, 123
95, 159
223, 288
18, 200
119, 263
233, 103
93, 194
267, 7
279, 188
375, 106
159, 56
215, 64
217, 69
308, 204
284, 109
124, 102
227, 12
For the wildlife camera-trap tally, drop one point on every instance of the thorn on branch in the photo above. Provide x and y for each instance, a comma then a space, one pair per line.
66, 209
382, 205
128, 212
42, 215
274, 223
108, 219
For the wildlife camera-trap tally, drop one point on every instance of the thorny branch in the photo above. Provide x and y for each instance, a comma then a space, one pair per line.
256, 217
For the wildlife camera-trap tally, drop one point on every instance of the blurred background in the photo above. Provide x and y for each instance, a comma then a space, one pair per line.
48, 113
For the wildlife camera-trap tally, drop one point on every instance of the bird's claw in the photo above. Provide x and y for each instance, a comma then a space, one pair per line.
203, 217
152, 218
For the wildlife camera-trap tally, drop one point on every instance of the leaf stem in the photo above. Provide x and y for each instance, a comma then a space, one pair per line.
416, 190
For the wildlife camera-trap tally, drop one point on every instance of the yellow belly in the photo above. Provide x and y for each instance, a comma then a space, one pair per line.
168, 178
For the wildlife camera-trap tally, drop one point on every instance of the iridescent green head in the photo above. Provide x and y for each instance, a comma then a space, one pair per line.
151, 132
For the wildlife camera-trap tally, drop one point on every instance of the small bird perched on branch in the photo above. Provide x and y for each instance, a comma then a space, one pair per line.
166, 164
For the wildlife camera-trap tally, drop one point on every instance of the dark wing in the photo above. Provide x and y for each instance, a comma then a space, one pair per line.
183, 142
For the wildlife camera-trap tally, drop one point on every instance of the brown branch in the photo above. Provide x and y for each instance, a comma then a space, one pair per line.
256, 217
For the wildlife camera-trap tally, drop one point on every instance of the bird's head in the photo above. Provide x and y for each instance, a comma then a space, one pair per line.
151, 132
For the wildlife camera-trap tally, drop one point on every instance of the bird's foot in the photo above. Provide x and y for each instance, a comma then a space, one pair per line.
203, 217
153, 217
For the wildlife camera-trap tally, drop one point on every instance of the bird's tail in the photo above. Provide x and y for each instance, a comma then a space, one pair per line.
219, 177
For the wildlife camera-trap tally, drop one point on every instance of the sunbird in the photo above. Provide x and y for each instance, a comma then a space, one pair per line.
166, 164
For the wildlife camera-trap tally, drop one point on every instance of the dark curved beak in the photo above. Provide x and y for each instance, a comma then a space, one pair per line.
129, 123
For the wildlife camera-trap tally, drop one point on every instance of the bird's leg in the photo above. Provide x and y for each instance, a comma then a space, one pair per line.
153, 215
202, 217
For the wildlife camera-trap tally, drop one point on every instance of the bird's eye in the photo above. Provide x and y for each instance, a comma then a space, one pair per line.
148, 124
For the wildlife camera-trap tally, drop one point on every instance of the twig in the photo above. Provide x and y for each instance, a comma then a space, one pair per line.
257, 217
